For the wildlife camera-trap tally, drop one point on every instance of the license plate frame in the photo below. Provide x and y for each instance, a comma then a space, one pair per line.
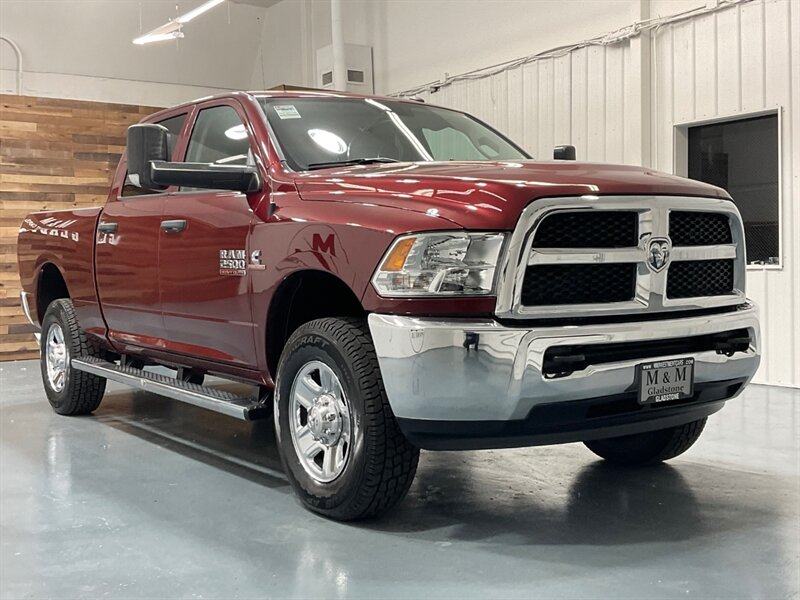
663, 381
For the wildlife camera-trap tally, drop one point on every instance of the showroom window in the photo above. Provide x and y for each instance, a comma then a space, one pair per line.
174, 126
742, 157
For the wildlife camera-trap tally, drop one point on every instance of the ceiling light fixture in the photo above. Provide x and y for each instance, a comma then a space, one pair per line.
158, 37
198, 11
172, 29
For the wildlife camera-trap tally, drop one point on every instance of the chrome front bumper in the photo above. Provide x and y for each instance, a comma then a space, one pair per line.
482, 371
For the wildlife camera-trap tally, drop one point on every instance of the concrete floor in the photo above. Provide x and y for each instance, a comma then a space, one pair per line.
151, 498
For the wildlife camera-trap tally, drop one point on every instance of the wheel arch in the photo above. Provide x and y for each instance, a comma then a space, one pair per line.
302, 297
51, 285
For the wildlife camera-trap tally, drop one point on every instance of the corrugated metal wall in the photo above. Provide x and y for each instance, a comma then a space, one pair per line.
738, 61
578, 98
621, 103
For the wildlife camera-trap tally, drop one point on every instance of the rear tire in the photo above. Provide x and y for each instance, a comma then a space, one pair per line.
69, 391
340, 445
648, 448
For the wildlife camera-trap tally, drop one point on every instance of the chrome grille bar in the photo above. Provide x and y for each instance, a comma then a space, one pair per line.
723, 251
554, 256
650, 286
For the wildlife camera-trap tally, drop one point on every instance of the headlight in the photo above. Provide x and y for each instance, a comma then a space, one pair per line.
444, 263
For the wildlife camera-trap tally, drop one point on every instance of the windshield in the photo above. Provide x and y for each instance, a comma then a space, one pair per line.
323, 132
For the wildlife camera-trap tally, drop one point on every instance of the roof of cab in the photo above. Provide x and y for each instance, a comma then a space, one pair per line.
310, 93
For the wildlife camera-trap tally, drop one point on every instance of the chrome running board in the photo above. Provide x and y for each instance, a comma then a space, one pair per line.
203, 396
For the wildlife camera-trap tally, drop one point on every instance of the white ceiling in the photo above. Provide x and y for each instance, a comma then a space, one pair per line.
93, 38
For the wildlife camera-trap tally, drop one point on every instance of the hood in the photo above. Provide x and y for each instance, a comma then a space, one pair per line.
487, 195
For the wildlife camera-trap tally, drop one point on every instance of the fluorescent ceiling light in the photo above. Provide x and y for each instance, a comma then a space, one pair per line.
157, 37
198, 11
172, 29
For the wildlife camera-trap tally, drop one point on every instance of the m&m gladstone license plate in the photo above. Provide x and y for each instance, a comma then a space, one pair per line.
665, 380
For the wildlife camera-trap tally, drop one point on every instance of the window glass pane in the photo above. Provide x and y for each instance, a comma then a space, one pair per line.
742, 157
317, 131
449, 143
174, 126
219, 136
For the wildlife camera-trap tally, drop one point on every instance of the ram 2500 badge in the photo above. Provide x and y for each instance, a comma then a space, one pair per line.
391, 276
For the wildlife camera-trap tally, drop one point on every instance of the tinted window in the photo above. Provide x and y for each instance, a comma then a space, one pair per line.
174, 126
742, 157
219, 136
324, 130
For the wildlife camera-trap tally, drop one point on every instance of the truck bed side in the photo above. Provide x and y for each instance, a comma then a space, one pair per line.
56, 249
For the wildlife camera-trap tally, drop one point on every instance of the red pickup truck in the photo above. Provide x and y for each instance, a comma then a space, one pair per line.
388, 276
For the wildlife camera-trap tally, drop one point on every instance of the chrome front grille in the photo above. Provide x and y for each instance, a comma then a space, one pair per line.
608, 255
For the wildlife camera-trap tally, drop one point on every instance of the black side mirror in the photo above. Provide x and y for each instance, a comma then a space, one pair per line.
564, 153
146, 143
206, 176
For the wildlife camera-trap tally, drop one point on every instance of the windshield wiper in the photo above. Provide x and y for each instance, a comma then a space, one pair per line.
352, 161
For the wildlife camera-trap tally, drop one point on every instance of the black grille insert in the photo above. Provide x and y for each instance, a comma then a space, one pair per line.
689, 228
692, 278
578, 284
563, 360
588, 229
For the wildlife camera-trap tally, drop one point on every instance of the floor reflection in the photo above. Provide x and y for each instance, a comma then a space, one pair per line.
168, 500
570, 497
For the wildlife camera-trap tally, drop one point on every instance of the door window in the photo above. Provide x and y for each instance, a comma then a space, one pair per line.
219, 137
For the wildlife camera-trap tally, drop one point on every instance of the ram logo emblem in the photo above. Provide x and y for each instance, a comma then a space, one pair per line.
658, 253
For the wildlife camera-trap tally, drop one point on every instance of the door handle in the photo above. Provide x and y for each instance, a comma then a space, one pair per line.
107, 227
173, 226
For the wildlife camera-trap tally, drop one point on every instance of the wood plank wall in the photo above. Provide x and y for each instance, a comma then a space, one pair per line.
54, 154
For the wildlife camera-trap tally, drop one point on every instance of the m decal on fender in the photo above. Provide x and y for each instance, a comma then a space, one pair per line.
325, 246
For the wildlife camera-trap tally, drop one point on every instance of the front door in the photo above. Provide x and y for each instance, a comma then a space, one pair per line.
126, 267
203, 246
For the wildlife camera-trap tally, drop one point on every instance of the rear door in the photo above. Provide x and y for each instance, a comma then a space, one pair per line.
126, 258
204, 250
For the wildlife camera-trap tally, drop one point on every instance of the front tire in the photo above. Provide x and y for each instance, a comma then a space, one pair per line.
648, 448
70, 392
340, 445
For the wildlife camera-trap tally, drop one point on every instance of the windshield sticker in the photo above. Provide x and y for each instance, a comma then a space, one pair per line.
287, 111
